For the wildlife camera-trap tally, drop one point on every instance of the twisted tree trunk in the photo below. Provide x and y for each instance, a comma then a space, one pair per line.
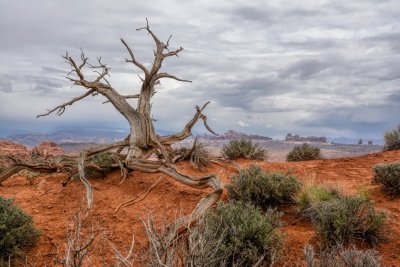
142, 141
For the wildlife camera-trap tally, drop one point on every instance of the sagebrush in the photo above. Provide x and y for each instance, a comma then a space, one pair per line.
17, 232
312, 194
388, 176
346, 219
392, 139
232, 234
261, 188
304, 152
341, 257
243, 149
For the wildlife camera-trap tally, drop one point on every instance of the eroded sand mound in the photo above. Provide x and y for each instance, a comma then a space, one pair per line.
52, 205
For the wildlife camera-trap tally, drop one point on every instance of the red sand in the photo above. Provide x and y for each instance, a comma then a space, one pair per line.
52, 205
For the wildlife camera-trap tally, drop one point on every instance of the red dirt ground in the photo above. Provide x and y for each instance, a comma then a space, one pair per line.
52, 206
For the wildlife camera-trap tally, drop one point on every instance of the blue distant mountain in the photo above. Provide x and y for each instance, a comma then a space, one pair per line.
73, 134
354, 141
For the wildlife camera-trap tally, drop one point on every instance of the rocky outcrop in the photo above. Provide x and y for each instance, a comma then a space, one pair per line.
298, 138
47, 149
8, 148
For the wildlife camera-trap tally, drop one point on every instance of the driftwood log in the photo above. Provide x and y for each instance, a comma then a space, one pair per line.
143, 150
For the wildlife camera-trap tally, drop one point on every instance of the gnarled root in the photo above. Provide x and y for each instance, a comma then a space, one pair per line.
211, 181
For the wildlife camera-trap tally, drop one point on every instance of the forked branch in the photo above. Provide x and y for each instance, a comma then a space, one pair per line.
133, 59
60, 109
187, 131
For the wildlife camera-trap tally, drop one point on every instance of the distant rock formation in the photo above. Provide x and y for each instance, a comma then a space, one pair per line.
298, 138
370, 142
360, 142
232, 134
47, 149
8, 148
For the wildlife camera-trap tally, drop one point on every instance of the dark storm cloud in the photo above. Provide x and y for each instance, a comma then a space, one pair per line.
266, 64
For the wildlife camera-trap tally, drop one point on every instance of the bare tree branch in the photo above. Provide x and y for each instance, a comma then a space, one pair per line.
133, 60
127, 260
155, 38
173, 53
61, 108
166, 75
187, 131
125, 97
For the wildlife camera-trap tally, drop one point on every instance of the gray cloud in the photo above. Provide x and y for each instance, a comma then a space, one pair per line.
5, 84
313, 66
304, 69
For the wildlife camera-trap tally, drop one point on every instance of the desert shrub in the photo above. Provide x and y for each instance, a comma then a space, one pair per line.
392, 139
246, 235
345, 219
17, 232
304, 152
388, 176
232, 234
104, 160
1, 169
312, 195
262, 188
243, 149
341, 257
198, 155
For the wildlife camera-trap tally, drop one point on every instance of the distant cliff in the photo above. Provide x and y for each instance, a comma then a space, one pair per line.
45, 149
298, 138
232, 134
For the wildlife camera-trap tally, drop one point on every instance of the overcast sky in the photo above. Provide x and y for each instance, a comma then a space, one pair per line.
311, 67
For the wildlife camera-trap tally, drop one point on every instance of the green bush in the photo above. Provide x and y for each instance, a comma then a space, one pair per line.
392, 139
1, 169
104, 160
341, 257
388, 176
304, 152
17, 232
263, 189
243, 149
312, 195
345, 219
245, 235
232, 234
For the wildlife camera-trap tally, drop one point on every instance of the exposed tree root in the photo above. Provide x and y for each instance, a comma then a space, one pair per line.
139, 197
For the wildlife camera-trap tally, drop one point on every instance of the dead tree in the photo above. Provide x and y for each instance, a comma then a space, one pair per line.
143, 141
